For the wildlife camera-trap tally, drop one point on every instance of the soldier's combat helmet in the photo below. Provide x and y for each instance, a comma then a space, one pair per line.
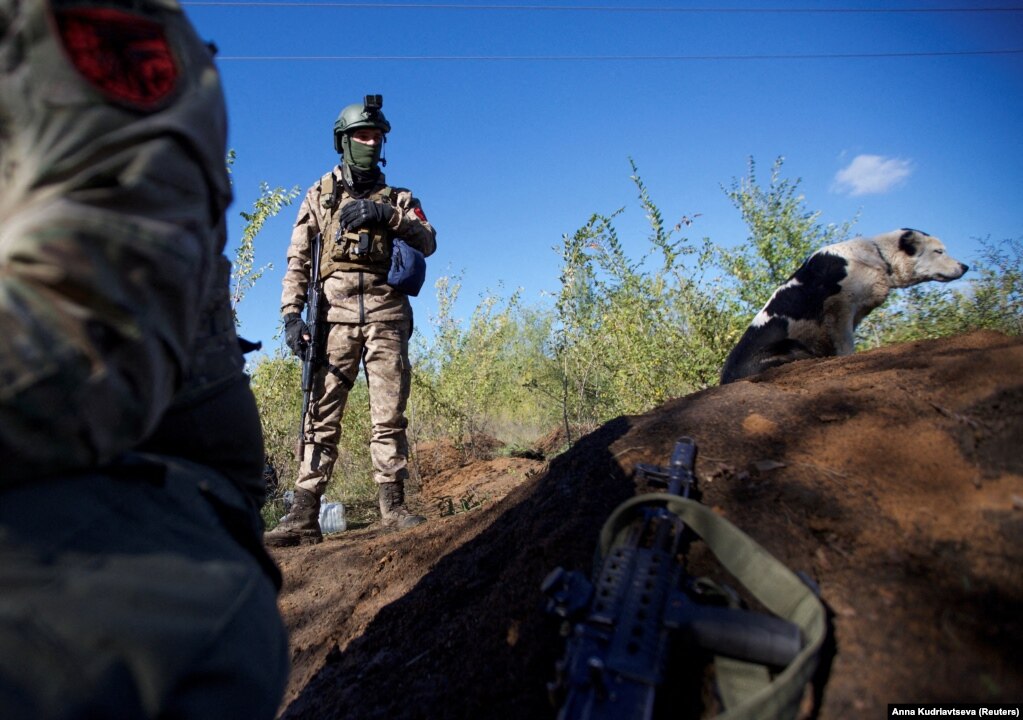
366, 114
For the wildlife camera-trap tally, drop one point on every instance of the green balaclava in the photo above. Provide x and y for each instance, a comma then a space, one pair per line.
359, 155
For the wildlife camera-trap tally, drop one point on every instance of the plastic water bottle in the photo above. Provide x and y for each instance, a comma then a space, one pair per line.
289, 499
332, 518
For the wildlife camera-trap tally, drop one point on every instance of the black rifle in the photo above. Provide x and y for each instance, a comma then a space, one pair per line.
621, 626
313, 354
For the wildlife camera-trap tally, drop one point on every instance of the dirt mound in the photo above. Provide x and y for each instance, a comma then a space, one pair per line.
436, 456
894, 478
559, 439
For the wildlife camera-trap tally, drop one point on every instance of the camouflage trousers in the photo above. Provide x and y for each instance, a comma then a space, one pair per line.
137, 591
382, 349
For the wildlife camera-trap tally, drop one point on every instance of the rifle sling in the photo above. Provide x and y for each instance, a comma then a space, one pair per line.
336, 372
747, 690
738, 680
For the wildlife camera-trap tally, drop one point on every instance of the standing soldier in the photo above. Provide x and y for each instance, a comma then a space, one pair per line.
356, 216
134, 581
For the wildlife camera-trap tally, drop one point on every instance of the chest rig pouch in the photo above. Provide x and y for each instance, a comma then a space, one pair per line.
367, 248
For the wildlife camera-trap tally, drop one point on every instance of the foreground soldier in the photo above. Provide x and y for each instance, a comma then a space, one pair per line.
134, 583
357, 215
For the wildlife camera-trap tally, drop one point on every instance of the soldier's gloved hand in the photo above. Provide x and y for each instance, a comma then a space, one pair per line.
360, 213
296, 333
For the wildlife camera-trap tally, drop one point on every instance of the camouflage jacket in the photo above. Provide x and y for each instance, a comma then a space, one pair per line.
353, 294
114, 304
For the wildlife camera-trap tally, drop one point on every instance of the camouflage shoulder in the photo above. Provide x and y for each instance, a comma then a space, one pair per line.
324, 186
330, 174
324, 182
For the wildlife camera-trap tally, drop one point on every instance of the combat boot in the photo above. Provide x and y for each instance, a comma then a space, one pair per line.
301, 526
393, 512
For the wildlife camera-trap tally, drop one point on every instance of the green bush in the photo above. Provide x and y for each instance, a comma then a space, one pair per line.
989, 297
783, 233
468, 381
631, 333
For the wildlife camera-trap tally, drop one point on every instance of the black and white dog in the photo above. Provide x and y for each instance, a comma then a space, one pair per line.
815, 313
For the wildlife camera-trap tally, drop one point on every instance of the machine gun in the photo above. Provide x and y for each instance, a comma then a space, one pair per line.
621, 626
314, 353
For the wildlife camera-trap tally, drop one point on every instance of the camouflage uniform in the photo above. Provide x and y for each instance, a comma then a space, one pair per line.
135, 584
369, 323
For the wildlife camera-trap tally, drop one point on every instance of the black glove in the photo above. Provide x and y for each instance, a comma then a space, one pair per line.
294, 330
360, 213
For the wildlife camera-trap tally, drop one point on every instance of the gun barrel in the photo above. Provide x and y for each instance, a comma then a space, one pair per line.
684, 454
744, 635
681, 467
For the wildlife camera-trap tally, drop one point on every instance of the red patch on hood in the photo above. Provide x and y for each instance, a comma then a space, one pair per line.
125, 56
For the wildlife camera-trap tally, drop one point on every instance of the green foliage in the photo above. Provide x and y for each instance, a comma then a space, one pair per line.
997, 299
276, 383
990, 297
783, 233
468, 381
244, 271
631, 333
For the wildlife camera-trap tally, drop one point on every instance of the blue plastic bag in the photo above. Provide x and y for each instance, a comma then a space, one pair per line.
408, 268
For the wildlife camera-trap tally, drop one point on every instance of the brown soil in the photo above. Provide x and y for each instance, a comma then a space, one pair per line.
893, 477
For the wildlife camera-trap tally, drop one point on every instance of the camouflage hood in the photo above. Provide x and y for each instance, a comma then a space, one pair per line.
53, 130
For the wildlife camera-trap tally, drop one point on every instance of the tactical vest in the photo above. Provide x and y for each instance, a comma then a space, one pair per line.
367, 249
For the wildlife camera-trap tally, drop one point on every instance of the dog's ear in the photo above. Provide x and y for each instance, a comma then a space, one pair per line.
908, 242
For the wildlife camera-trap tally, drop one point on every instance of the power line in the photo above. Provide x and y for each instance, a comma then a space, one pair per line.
610, 58
592, 8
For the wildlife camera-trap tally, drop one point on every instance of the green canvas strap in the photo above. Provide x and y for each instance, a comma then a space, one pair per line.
748, 692
738, 680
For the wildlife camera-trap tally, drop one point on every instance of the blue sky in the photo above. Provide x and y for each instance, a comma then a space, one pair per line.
514, 123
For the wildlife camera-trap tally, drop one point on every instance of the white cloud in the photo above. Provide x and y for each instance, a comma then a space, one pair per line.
871, 175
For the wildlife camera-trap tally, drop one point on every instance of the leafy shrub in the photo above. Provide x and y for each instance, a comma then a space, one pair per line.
783, 233
990, 297
468, 380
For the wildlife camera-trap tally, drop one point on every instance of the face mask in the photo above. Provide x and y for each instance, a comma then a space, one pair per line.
362, 156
